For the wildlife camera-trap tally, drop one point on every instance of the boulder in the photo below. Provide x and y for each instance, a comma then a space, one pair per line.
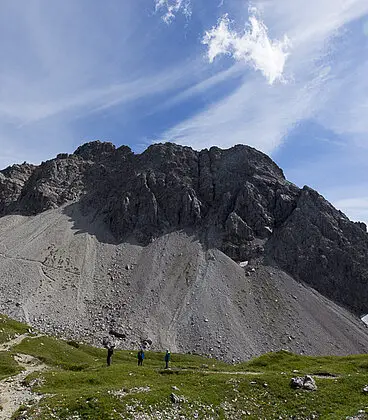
117, 334
307, 383
296, 382
177, 399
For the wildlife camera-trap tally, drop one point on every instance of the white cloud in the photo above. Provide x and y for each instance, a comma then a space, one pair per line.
90, 99
260, 114
172, 7
347, 108
252, 46
256, 114
203, 86
57, 69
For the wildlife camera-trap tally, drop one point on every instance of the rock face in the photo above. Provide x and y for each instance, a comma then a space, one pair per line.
12, 181
236, 200
209, 252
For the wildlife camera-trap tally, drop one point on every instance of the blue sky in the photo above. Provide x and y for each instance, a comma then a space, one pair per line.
285, 76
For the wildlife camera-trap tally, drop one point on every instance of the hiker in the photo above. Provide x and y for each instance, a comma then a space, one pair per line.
140, 357
167, 358
110, 352
109, 345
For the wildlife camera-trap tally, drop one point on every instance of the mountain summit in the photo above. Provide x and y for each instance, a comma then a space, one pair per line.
161, 225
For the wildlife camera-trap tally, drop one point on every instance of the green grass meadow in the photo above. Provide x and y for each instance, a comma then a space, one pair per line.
79, 385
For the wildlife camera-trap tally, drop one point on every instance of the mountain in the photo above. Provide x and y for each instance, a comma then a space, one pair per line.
149, 246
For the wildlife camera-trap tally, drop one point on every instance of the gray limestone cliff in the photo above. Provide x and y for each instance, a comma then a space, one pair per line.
236, 200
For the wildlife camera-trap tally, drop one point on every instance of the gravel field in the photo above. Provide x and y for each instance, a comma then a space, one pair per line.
58, 277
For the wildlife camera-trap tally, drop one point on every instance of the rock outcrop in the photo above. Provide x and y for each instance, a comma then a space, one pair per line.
12, 181
235, 200
307, 383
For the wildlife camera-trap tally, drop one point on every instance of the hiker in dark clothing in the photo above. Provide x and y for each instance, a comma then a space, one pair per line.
110, 352
140, 357
167, 359
109, 345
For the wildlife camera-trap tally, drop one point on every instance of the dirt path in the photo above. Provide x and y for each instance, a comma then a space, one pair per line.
13, 342
13, 392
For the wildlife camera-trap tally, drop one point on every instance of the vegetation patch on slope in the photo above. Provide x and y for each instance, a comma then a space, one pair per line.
10, 328
79, 385
8, 366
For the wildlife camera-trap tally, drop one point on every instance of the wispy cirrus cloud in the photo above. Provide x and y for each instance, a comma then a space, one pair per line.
170, 8
91, 99
326, 72
252, 46
65, 62
114, 70
261, 114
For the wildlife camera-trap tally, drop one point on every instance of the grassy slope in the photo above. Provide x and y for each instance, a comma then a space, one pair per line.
8, 330
8, 367
82, 386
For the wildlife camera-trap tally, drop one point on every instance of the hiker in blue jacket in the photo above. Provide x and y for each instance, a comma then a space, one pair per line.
167, 358
140, 357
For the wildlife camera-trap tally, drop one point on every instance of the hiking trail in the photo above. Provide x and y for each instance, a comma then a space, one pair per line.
13, 391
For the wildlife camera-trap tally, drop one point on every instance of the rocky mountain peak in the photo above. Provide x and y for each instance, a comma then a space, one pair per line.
236, 200
95, 150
